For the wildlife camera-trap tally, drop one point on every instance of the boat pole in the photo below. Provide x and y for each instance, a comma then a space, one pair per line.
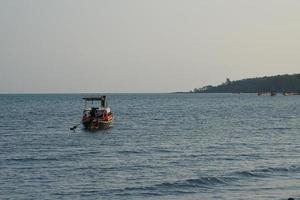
74, 127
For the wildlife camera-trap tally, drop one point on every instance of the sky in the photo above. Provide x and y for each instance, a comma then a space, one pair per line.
115, 46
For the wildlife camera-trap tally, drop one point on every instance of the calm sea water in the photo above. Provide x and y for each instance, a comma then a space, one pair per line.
162, 146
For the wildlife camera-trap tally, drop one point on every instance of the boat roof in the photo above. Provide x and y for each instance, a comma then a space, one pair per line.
94, 98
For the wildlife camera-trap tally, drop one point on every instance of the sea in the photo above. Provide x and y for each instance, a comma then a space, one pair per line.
161, 146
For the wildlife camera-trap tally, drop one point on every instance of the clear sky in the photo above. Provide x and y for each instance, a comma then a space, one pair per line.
143, 45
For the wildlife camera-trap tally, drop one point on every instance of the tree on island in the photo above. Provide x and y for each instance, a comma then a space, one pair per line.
279, 83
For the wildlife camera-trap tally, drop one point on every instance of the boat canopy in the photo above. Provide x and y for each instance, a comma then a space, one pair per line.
94, 98
101, 98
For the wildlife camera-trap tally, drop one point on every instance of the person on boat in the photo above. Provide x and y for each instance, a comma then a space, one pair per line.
93, 112
85, 116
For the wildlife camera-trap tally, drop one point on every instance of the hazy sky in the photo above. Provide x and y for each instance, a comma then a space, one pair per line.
144, 45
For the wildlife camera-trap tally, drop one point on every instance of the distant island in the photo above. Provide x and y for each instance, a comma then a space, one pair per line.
280, 84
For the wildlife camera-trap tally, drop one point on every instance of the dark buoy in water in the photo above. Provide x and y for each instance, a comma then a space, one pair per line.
291, 199
74, 127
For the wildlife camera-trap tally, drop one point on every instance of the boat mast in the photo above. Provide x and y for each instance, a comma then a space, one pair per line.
103, 102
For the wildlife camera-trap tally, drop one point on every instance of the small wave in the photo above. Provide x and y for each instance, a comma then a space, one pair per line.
278, 128
203, 183
273, 170
177, 187
130, 152
265, 172
31, 159
200, 182
51, 127
157, 119
164, 150
248, 174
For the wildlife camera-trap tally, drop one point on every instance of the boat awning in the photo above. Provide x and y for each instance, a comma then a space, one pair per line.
94, 98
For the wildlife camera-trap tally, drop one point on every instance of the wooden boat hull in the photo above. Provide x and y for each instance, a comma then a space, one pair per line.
95, 124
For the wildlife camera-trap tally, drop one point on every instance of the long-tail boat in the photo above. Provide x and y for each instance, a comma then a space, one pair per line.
97, 115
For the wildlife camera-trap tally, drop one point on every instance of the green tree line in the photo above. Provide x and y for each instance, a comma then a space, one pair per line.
279, 83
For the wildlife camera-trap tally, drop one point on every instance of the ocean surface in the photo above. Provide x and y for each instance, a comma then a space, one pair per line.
161, 146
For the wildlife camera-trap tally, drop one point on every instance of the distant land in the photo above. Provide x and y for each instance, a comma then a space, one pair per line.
280, 84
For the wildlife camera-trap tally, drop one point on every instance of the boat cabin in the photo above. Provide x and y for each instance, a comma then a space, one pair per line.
95, 106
